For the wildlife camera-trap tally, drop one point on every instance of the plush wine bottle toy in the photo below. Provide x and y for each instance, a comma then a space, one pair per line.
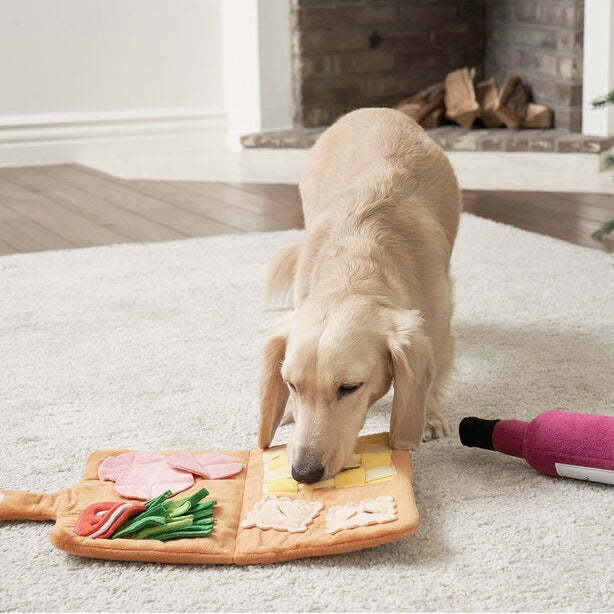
557, 443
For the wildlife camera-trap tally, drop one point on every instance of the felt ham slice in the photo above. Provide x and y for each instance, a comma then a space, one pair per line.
148, 480
209, 466
113, 466
100, 520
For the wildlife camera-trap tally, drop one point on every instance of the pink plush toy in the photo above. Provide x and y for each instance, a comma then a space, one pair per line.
557, 443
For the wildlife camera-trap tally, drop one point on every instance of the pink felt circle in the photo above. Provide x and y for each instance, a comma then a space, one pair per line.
148, 480
112, 466
212, 466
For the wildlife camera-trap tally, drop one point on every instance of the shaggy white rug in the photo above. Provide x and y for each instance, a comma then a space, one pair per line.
157, 346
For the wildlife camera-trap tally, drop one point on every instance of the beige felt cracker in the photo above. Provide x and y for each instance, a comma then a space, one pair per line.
282, 514
363, 514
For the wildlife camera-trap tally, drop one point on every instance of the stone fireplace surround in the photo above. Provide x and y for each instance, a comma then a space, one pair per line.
352, 53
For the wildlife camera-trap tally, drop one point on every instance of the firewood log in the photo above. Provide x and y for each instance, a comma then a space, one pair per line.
421, 104
434, 118
486, 95
538, 116
514, 99
461, 105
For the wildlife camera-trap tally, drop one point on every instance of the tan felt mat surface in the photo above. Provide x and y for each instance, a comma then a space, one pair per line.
229, 543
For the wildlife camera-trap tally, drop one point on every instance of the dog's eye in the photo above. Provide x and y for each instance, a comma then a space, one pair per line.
347, 389
292, 386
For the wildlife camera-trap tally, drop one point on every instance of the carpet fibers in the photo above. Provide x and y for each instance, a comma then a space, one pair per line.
157, 347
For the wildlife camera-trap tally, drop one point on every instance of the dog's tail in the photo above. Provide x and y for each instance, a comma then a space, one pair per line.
281, 275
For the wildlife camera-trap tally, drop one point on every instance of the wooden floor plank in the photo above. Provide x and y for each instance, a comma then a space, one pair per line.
24, 235
574, 230
60, 206
283, 208
563, 205
116, 218
210, 207
6, 249
68, 224
118, 193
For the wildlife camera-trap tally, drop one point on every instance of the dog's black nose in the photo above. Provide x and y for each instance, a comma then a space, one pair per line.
307, 473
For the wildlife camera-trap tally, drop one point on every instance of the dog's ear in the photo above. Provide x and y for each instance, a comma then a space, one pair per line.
413, 367
273, 391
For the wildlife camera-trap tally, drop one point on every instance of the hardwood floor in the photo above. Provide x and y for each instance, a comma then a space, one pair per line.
56, 207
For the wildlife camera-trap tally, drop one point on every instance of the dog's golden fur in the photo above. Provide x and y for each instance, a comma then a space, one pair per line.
371, 290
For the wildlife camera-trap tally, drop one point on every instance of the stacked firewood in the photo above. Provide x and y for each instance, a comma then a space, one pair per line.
459, 100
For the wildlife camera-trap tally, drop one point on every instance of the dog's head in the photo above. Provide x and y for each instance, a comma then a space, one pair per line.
334, 358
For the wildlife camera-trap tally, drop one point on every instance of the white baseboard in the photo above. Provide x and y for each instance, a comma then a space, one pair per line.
71, 137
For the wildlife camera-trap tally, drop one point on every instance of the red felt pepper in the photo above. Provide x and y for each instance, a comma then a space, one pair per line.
101, 520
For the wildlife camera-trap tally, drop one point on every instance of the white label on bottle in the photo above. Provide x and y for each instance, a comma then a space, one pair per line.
606, 476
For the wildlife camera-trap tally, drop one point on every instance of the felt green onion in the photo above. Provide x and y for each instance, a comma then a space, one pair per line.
185, 517
141, 523
159, 499
184, 533
170, 526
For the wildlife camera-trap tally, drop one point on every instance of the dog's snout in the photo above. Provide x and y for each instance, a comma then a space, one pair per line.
307, 472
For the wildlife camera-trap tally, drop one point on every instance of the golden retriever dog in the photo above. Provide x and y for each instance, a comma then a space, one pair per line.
371, 293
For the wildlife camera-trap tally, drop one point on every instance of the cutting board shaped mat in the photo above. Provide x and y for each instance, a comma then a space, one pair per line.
237, 497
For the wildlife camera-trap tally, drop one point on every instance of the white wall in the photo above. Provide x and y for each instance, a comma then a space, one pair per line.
598, 70
80, 70
257, 66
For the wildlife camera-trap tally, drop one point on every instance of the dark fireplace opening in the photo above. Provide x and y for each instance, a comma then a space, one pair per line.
348, 54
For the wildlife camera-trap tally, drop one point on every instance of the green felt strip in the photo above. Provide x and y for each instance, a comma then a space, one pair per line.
207, 505
141, 523
203, 514
180, 510
171, 526
197, 497
153, 511
179, 534
159, 499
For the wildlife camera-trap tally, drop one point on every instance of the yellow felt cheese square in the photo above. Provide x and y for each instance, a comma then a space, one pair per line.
277, 474
375, 438
376, 459
330, 483
351, 477
381, 480
352, 462
284, 485
271, 453
379, 474
374, 447
277, 462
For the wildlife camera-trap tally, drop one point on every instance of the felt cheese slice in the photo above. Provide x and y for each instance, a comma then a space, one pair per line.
352, 462
284, 485
330, 483
379, 474
381, 438
376, 459
351, 477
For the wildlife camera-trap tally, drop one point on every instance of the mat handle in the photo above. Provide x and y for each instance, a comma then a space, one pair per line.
23, 505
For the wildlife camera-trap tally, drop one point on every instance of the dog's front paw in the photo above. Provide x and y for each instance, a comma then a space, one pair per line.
436, 427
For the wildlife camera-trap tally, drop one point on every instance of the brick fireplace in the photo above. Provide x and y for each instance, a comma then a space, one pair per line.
348, 54
352, 53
